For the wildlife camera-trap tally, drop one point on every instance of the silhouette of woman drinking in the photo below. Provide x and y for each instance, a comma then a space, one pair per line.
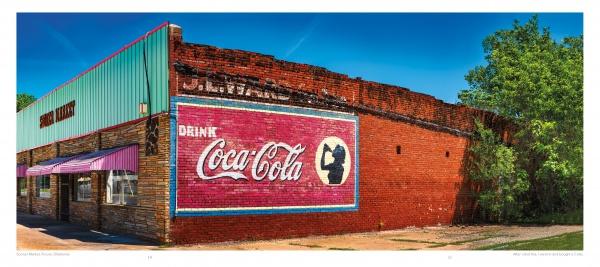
336, 168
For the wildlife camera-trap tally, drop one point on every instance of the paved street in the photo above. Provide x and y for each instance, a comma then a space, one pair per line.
35, 232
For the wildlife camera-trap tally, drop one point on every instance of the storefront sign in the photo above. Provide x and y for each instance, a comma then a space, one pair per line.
234, 157
62, 113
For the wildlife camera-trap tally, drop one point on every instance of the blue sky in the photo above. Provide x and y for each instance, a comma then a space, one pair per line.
425, 52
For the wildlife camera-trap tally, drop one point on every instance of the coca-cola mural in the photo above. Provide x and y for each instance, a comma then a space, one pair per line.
235, 157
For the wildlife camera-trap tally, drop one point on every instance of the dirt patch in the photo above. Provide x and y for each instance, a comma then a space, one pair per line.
428, 238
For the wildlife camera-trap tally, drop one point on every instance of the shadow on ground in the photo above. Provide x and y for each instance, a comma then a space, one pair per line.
65, 230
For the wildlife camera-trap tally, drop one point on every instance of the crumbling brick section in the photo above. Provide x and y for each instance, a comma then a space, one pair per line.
312, 81
412, 146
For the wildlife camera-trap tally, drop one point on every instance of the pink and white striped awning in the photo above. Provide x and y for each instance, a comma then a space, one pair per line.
119, 158
21, 170
46, 167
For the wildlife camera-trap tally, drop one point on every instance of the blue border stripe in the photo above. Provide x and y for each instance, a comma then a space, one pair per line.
261, 107
173, 160
357, 162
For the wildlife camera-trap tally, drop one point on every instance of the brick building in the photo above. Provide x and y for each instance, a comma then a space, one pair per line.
185, 143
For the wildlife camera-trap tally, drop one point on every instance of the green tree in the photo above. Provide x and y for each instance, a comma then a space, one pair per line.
538, 83
501, 184
23, 100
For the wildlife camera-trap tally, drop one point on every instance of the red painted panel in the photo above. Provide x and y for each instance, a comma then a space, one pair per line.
243, 159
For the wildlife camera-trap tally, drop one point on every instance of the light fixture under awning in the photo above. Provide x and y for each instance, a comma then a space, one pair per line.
119, 158
21, 170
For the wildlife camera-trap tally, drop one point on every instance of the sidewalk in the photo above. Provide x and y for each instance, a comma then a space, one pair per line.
428, 238
37, 233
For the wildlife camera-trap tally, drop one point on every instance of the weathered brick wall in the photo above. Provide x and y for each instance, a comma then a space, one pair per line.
140, 221
82, 212
86, 212
44, 206
419, 187
233, 66
43, 153
23, 202
423, 185
150, 218
23, 158
80, 145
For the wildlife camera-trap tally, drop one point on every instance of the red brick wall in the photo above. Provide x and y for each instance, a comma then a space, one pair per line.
421, 186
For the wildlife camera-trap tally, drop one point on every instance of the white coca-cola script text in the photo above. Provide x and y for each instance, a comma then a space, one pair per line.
232, 163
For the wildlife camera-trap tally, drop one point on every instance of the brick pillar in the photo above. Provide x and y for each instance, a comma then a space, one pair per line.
30, 192
175, 33
99, 198
30, 183
175, 42
99, 141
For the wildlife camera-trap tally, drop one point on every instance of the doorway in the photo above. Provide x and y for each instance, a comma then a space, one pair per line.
64, 198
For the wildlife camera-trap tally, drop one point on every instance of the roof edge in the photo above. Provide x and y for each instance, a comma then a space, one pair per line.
162, 25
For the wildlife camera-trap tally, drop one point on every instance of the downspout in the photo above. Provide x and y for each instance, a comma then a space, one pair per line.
147, 81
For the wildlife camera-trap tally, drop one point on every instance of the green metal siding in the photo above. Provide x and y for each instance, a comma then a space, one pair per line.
107, 95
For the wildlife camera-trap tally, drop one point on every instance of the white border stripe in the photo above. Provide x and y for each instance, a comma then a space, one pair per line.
267, 208
266, 111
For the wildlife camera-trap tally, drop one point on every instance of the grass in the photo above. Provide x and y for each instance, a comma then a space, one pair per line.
417, 241
568, 241
443, 244
569, 218
308, 245
438, 245
341, 249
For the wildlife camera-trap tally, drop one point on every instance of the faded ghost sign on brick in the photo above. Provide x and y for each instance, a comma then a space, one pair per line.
236, 157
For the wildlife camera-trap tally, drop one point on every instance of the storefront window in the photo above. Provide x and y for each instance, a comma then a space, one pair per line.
83, 188
121, 187
22, 186
42, 186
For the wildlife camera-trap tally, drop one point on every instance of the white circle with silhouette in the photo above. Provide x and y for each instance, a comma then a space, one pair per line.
332, 161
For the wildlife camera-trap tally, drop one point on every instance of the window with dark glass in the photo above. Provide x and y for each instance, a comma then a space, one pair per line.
42, 186
82, 187
121, 187
22, 186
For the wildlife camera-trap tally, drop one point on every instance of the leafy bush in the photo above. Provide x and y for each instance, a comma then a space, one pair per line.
501, 184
